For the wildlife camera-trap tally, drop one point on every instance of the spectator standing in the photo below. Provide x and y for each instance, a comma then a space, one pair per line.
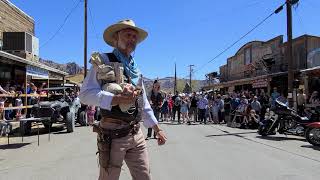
202, 106
155, 102
165, 107
91, 110
170, 106
193, 108
274, 96
220, 104
215, 110
264, 101
184, 109
255, 105
176, 106
227, 107
301, 101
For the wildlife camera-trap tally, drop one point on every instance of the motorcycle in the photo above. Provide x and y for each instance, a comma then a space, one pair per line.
284, 120
313, 133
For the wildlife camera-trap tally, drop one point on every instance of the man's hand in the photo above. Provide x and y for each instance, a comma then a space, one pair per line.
161, 137
124, 99
128, 89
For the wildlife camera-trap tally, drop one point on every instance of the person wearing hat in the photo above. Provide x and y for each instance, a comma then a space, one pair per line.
119, 135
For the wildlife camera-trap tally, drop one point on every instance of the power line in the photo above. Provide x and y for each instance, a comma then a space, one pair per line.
300, 20
93, 26
61, 26
242, 37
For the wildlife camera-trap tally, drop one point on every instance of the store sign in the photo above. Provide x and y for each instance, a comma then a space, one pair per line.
260, 83
38, 72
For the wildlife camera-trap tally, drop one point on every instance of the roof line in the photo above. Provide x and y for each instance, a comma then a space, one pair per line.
14, 6
24, 61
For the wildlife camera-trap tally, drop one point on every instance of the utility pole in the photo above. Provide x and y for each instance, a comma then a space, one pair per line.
190, 66
175, 78
85, 37
289, 55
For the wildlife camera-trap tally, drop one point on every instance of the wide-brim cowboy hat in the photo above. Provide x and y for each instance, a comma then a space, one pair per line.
108, 34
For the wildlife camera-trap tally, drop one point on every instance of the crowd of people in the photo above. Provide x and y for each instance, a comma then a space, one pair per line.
10, 97
245, 108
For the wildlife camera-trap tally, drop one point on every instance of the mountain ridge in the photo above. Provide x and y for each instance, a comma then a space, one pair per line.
167, 83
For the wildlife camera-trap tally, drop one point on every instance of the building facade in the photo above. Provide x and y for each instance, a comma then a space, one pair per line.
263, 65
15, 66
12, 19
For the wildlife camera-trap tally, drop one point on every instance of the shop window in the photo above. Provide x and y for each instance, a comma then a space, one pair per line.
5, 75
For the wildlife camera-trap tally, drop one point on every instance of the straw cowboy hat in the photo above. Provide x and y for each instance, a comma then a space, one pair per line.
124, 24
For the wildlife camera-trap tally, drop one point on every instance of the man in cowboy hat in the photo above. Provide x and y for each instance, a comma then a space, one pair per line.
119, 134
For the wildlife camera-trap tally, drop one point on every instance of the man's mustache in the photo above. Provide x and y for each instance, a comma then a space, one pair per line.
131, 45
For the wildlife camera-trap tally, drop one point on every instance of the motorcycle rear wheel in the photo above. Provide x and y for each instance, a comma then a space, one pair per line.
313, 136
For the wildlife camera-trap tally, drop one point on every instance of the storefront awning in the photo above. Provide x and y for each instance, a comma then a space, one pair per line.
37, 72
31, 63
317, 68
258, 81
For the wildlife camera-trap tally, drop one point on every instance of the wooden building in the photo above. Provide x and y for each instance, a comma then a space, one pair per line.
13, 19
262, 65
15, 67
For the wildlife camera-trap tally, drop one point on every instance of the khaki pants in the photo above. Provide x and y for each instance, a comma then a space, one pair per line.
132, 149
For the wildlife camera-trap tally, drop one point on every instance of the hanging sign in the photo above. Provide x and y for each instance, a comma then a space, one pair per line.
37, 72
260, 83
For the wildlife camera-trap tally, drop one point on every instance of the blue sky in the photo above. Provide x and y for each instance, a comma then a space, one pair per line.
185, 32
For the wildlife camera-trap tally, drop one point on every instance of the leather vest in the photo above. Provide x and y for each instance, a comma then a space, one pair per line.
133, 115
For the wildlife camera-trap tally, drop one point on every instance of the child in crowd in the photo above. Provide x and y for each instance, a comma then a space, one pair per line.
90, 114
184, 109
5, 127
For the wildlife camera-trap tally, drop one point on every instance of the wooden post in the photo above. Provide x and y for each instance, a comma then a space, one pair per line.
48, 79
26, 92
85, 37
269, 86
289, 55
306, 85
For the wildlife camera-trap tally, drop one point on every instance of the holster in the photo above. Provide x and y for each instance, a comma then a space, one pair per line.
105, 137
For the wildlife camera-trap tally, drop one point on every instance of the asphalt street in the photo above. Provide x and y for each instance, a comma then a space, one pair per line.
196, 152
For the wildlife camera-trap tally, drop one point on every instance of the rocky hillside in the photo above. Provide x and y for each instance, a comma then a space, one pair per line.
71, 67
167, 84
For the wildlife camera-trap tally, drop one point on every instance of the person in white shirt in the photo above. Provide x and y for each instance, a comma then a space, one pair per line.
119, 135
